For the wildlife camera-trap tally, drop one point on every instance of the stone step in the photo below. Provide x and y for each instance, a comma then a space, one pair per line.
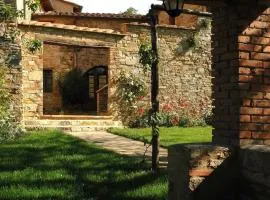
75, 117
72, 125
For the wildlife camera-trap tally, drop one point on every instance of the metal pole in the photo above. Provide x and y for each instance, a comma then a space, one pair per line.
154, 92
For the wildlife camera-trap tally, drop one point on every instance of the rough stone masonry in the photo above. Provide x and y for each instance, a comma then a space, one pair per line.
185, 74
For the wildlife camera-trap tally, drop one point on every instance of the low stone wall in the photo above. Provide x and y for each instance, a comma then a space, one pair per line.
212, 172
255, 171
201, 171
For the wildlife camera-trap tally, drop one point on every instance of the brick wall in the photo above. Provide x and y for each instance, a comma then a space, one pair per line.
183, 20
241, 84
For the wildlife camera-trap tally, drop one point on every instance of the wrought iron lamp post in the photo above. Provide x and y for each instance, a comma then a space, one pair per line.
173, 8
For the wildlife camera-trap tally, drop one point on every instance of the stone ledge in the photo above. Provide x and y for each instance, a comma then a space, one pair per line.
197, 169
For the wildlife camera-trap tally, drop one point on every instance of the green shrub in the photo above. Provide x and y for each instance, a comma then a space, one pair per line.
140, 122
184, 122
208, 118
167, 119
9, 129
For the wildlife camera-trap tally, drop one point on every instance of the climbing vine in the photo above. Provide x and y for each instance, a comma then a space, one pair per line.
130, 90
147, 56
204, 23
8, 23
33, 45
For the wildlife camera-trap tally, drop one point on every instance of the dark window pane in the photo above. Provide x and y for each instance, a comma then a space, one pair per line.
47, 80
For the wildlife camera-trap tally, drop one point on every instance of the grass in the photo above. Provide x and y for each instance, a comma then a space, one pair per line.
168, 136
49, 165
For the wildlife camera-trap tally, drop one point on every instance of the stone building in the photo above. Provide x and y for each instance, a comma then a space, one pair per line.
102, 46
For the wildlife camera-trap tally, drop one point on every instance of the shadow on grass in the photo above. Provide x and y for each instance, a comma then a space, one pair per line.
52, 165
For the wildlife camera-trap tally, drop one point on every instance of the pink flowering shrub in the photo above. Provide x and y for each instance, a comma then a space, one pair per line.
183, 113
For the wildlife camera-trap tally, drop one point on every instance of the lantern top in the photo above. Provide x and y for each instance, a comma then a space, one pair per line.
173, 7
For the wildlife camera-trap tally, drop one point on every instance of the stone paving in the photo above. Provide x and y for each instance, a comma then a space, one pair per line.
120, 144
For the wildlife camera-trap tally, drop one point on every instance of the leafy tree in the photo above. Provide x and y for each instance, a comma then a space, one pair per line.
130, 11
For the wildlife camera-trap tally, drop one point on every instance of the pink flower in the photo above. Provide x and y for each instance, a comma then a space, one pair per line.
140, 111
175, 120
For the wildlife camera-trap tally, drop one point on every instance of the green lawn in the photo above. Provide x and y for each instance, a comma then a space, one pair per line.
50, 165
168, 136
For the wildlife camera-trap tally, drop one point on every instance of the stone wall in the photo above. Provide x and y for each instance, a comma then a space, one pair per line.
185, 74
32, 84
10, 56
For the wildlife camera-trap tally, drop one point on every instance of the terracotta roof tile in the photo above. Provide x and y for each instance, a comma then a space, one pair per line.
92, 15
162, 26
68, 27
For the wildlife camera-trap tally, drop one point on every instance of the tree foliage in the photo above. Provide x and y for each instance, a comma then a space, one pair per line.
147, 56
130, 11
33, 5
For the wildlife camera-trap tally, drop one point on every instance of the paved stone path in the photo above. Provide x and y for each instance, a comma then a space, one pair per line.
119, 144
